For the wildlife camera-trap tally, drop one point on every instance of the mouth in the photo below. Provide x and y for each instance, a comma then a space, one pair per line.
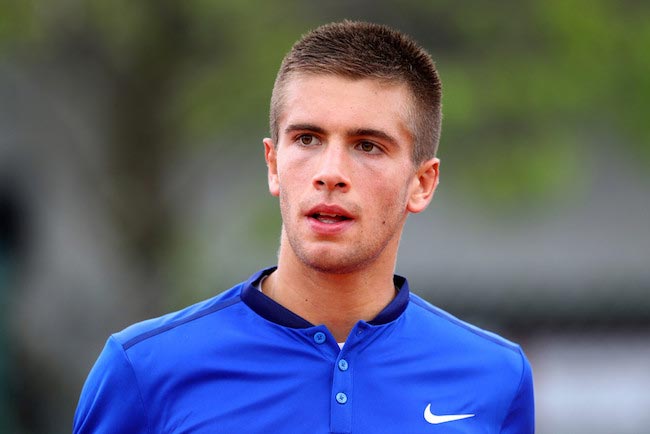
329, 218
329, 214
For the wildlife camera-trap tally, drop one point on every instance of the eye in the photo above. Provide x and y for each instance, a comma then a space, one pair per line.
307, 140
368, 147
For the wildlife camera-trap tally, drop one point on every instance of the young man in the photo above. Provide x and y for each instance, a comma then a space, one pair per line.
329, 341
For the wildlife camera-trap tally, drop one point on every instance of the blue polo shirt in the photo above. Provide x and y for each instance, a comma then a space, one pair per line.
241, 363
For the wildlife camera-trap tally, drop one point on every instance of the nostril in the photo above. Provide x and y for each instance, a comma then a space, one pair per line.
330, 183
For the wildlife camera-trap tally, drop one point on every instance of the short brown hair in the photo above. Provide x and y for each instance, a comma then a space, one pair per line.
359, 50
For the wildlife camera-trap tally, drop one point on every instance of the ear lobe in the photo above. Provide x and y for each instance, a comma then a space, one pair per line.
424, 185
270, 155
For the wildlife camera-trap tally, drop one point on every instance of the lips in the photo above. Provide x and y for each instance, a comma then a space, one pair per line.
329, 214
329, 219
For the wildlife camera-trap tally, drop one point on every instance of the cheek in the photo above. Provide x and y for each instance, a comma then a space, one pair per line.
293, 177
391, 199
285, 208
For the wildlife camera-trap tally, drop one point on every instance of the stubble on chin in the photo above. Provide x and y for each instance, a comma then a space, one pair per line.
331, 257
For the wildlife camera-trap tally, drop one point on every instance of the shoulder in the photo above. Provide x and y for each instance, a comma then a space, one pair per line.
437, 317
179, 321
492, 362
121, 392
442, 331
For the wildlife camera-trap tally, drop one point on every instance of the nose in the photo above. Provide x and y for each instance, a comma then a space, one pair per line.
332, 169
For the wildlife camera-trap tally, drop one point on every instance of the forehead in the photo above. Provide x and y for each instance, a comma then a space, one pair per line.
339, 101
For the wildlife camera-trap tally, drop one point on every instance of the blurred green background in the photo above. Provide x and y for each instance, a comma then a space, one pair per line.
132, 182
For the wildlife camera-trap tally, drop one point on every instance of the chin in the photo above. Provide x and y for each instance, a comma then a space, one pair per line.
329, 268
331, 263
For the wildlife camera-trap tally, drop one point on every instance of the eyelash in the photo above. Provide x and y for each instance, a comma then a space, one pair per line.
375, 148
302, 136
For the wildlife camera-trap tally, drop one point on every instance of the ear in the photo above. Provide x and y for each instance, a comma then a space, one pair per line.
270, 155
424, 185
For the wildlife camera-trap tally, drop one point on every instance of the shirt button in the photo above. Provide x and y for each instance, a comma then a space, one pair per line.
343, 365
341, 398
319, 337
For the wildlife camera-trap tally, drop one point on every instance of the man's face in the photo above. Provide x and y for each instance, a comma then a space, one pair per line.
342, 169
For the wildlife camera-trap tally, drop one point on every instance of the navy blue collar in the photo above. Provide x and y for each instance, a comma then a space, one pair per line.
274, 312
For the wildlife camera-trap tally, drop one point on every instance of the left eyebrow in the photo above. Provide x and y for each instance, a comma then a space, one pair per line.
371, 132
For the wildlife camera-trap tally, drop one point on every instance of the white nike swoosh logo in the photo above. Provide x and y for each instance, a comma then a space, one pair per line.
434, 419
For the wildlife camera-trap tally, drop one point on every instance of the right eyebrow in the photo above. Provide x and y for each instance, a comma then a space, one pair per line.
303, 127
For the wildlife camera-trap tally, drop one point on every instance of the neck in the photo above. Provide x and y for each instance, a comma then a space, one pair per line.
338, 301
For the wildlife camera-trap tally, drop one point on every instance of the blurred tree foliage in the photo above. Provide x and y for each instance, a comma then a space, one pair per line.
178, 74
529, 86
539, 86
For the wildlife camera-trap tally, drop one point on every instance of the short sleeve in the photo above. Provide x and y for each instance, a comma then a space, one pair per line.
521, 415
110, 400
